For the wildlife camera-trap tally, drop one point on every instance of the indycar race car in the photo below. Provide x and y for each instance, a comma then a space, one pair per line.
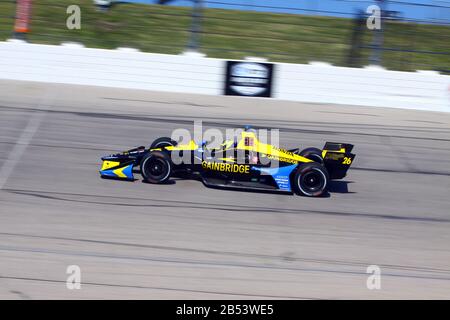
243, 163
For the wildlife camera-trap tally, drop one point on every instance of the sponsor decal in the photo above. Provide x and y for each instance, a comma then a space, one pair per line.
226, 167
249, 79
280, 175
281, 159
289, 153
283, 182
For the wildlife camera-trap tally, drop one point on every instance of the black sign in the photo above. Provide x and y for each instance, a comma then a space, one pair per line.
251, 79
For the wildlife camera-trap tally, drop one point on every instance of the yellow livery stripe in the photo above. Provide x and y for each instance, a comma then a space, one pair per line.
119, 172
109, 164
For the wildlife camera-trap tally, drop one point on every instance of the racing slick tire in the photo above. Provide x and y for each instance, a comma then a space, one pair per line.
163, 142
313, 154
310, 179
156, 167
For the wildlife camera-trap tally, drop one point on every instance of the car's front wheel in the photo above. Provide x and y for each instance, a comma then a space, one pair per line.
310, 179
163, 142
156, 167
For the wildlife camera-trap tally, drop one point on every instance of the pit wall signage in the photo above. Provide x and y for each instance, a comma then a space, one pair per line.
250, 79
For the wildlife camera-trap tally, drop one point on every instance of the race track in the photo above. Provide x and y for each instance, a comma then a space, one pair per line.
184, 241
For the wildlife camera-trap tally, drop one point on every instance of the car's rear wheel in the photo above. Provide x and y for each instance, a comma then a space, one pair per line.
313, 154
163, 142
156, 167
310, 179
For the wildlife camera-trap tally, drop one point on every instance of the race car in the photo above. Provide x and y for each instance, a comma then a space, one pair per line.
243, 163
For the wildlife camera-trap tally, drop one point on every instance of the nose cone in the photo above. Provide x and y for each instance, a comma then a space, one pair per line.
116, 169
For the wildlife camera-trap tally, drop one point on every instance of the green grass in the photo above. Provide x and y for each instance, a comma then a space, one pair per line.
230, 34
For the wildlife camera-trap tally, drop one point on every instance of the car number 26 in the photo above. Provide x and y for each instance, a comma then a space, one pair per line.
347, 160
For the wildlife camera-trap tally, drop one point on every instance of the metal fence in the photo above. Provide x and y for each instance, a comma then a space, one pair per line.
251, 28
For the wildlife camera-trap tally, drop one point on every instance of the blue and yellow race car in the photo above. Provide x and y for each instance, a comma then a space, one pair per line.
242, 163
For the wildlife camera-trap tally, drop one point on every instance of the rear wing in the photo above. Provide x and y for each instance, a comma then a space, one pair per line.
335, 146
337, 158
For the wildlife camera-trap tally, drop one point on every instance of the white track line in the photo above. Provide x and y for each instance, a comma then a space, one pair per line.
20, 147
23, 142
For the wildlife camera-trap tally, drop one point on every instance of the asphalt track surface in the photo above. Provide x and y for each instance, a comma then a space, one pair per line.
134, 240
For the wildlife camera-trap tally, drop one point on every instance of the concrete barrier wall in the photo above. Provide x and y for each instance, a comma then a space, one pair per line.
122, 68
370, 86
315, 82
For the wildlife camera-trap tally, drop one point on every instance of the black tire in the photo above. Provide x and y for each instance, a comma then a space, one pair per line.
163, 142
313, 154
156, 167
310, 179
